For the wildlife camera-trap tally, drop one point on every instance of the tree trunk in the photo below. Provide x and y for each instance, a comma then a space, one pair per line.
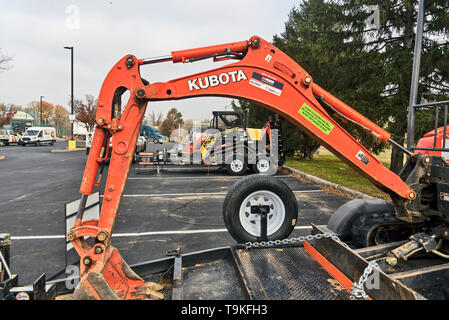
397, 160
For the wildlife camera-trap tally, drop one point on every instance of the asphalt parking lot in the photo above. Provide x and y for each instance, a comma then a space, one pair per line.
179, 207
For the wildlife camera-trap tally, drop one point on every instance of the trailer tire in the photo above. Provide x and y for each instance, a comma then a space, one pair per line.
237, 166
264, 165
259, 190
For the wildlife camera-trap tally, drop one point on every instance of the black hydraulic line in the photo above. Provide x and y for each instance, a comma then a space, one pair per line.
82, 205
102, 155
406, 151
230, 54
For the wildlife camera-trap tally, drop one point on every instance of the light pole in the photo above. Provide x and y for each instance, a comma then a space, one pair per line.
40, 111
71, 91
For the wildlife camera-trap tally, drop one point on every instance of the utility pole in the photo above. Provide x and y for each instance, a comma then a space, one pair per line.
40, 111
71, 88
415, 76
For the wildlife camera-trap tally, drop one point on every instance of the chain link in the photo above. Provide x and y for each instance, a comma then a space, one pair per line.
357, 289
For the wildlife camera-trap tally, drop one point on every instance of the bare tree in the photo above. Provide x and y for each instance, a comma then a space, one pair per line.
4, 60
155, 118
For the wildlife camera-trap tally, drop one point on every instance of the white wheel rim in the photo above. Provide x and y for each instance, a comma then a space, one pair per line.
251, 222
236, 165
263, 165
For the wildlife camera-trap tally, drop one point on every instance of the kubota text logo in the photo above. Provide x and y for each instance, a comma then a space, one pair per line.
215, 80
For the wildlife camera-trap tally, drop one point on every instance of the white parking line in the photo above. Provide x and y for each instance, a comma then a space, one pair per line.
196, 178
142, 234
196, 194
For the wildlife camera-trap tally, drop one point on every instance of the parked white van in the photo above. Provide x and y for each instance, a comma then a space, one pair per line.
8, 136
38, 136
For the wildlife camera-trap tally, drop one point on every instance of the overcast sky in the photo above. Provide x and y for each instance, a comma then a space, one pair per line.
102, 32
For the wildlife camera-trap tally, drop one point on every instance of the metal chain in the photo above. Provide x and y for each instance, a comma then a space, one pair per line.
270, 243
357, 289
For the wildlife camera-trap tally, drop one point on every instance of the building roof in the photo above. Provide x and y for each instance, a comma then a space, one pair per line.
22, 115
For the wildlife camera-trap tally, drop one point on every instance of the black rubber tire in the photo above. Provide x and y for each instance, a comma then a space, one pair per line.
38, 143
272, 170
246, 186
237, 173
357, 220
87, 151
363, 229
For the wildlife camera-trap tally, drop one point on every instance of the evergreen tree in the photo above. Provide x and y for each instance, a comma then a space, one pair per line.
370, 69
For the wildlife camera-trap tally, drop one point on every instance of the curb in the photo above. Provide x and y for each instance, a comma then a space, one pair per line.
68, 150
329, 184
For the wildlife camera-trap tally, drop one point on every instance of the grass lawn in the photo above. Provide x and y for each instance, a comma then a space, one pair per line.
327, 166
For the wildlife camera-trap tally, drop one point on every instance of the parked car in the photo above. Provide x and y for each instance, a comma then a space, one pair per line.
8, 136
38, 136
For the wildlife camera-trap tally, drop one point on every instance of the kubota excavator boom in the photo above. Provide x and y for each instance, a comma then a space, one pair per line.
261, 73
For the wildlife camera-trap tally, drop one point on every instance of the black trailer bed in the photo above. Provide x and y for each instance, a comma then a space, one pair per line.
283, 272
287, 273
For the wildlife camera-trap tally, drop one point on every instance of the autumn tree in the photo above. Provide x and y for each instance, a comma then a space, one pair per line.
42, 111
171, 122
61, 119
6, 114
85, 111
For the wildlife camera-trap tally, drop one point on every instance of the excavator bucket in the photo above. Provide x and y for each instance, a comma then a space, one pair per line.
112, 279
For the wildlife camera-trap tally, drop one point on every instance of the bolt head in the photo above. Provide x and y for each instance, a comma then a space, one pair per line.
256, 42
102, 236
140, 93
70, 236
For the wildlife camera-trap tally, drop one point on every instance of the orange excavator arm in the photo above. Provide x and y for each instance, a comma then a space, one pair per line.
262, 74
